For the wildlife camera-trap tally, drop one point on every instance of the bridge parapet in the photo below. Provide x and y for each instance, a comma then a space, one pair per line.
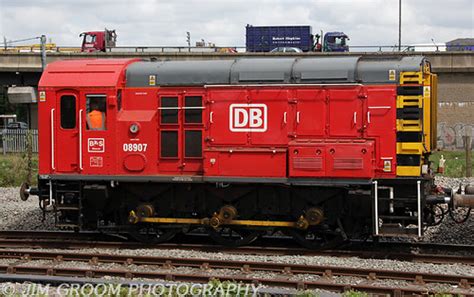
31, 61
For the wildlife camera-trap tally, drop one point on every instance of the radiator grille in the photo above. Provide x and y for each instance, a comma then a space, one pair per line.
348, 163
308, 163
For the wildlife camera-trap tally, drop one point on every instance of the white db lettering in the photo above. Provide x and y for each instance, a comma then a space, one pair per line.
248, 117
256, 118
239, 121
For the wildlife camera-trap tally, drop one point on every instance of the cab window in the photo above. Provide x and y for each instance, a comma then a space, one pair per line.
89, 38
96, 112
68, 112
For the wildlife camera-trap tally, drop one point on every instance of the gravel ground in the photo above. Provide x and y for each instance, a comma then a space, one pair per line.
449, 231
20, 215
256, 274
393, 265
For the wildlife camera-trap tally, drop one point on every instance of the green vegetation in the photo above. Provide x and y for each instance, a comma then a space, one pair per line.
14, 169
353, 293
455, 165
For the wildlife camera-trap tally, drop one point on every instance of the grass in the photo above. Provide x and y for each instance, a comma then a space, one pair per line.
14, 169
455, 165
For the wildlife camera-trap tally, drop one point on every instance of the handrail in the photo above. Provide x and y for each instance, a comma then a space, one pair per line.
80, 139
53, 166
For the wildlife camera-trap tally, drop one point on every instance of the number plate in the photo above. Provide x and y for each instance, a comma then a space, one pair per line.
134, 147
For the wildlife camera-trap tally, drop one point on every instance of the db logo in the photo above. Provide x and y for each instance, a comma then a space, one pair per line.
248, 117
95, 145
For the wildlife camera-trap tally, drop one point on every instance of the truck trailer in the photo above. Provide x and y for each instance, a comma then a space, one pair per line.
267, 38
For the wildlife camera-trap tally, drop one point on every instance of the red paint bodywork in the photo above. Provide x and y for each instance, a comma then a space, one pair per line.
320, 131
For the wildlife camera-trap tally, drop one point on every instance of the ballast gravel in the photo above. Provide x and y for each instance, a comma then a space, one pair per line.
16, 214
232, 272
370, 264
26, 215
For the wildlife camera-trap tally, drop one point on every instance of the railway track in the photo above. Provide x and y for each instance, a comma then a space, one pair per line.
204, 270
23, 264
413, 252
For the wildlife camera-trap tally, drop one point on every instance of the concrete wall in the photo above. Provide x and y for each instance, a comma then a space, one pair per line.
454, 118
455, 108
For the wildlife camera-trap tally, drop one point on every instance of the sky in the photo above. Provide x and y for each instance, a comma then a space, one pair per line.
163, 22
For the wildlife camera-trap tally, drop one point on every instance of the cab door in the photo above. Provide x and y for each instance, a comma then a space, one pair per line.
96, 136
65, 128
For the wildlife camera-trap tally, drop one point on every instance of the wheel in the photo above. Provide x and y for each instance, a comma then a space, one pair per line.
233, 236
149, 233
317, 238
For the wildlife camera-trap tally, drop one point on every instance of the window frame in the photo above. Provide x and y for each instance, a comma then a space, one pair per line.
200, 108
87, 109
61, 111
162, 108
177, 157
200, 144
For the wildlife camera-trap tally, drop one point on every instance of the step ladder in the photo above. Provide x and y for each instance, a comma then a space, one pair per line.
400, 227
72, 211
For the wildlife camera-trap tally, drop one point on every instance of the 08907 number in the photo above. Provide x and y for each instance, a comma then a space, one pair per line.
134, 147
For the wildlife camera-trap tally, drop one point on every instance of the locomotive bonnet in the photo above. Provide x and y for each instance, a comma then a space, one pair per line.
321, 148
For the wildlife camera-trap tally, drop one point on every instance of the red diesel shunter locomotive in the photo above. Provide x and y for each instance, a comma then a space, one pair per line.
321, 148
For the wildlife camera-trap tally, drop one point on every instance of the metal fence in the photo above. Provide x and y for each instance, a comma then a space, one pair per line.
358, 48
16, 140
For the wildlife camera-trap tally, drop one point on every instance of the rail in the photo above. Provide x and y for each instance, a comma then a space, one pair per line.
205, 270
402, 251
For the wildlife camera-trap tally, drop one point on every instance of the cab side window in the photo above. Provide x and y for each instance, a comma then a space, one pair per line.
68, 112
96, 112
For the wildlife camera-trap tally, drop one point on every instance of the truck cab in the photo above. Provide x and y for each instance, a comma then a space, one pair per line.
98, 41
335, 42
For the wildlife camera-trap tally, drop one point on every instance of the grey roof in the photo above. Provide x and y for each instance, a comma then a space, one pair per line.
461, 41
271, 70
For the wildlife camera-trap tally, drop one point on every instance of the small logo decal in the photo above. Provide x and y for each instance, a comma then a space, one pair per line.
152, 80
42, 95
96, 162
392, 74
427, 91
248, 117
96, 145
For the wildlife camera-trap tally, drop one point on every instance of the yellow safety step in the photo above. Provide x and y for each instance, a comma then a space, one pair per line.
411, 78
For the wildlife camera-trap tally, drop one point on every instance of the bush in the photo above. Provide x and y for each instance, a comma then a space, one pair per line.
14, 169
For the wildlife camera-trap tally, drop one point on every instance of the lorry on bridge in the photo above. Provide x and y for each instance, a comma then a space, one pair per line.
267, 38
98, 41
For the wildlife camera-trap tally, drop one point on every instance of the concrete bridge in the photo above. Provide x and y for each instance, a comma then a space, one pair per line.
455, 71
13, 62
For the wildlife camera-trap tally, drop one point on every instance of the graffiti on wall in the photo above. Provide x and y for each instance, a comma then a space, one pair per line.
450, 137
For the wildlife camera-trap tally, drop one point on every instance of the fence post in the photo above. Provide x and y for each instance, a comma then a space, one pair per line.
4, 142
468, 146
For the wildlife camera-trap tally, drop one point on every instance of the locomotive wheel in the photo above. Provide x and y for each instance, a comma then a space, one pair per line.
316, 238
149, 233
233, 236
